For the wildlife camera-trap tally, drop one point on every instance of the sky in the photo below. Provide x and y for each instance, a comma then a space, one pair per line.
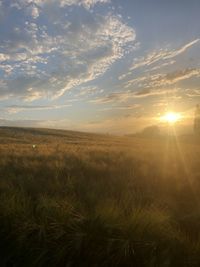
112, 66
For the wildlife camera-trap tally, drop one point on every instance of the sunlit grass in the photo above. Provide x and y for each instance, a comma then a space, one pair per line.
112, 202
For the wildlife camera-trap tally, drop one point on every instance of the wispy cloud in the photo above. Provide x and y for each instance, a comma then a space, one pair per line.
175, 53
125, 107
146, 92
192, 92
113, 97
125, 96
162, 54
48, 59
158, 58
18, 108
174, 77
153, 84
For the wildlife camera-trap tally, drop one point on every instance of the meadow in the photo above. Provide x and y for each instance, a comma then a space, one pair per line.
87, 200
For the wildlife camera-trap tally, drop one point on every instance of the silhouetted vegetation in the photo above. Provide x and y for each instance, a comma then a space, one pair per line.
93, 200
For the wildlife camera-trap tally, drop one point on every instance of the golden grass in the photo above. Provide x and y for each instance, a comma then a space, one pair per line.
80, 199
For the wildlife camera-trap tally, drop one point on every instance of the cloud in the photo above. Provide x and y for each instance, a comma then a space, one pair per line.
146, 92
34, 11
35, 6
137, 81
157, 81
151, 85
175, 53
174, 77
154, 61
160, 55
4, 57
43, 58
85, 3
192, 92
125, 107
18, 108
125, 96
88, 91
161, 66
113, 97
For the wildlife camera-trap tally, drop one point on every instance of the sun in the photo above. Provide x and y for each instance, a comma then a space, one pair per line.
171, 117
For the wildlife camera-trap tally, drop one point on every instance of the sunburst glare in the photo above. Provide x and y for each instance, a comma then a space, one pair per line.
171, 117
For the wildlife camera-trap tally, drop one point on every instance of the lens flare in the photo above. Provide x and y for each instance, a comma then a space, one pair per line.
171, 117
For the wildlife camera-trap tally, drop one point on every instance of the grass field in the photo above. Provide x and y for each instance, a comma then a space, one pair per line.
78, 199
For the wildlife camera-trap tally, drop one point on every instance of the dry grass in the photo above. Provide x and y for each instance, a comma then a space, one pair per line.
93, 200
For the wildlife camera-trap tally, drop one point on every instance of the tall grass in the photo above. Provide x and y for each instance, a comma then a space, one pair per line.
104, 202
